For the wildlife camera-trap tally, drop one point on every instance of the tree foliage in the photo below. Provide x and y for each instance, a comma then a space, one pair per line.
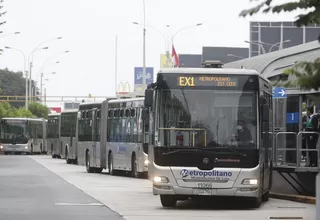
310, 17
306, 75
13, 84
39, 110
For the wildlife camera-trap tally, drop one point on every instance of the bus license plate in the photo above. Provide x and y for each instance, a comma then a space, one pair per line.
204, 192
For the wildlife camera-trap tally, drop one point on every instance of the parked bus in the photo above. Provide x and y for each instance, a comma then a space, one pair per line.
211, 134
116, 136
22, 135
68, 138
53, 135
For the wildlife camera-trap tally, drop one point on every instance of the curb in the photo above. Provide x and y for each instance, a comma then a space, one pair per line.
294, 198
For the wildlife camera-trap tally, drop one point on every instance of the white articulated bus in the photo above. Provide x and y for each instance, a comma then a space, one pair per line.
112, 135
22, 135
53, 135
211, 134
68, 127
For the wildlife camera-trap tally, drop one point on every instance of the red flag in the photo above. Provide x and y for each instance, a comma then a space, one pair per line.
175, 58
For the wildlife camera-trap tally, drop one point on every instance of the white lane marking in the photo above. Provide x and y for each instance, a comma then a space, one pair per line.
79, 204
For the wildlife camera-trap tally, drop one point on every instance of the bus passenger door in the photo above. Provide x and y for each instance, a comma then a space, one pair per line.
265, 143
93, 142
96, 139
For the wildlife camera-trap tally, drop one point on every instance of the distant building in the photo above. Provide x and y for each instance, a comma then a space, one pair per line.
275, 35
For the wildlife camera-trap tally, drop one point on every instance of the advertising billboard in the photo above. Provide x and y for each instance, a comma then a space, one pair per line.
138, 78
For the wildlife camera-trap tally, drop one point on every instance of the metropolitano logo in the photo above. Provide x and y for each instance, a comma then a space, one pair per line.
204, 174
184, 173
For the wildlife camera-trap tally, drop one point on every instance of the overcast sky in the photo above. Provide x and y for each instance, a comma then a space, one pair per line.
88, 29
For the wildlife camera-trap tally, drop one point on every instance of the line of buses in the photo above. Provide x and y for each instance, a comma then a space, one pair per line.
197, 132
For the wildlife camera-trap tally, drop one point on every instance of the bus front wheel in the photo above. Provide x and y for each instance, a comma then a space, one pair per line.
88, 165
168, 200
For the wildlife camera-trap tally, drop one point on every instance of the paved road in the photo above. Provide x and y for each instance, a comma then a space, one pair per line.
29, 191
133, 199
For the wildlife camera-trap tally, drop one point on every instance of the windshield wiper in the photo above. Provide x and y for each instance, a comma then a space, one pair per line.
226, 147
181, 150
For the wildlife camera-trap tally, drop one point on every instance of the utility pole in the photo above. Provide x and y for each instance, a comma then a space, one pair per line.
144, 71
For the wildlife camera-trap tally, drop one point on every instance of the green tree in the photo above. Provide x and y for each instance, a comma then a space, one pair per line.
39, 110
306, 75
310, 17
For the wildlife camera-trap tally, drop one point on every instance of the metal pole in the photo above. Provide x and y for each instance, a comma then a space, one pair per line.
144, 48
26, 75
45, 96
30, 81
41, 76
318, 196
281, 36
116, 65
259, 37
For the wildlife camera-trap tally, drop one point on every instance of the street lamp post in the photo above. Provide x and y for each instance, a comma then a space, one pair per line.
41, 78
232, 55
260, 44
166, 41
30, 61
144, 82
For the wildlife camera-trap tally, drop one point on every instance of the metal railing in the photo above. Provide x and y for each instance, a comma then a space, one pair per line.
278, 150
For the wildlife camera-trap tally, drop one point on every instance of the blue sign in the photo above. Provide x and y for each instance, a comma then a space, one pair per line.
292, 117
138, 73
279, 93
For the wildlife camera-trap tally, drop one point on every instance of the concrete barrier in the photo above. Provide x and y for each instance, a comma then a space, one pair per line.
294, 198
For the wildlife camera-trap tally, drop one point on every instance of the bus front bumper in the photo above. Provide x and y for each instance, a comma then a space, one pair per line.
251, 191
19, 148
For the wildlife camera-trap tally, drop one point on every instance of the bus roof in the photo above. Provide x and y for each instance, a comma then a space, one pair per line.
54, 114
126, 100
209, 71
24, 119
69, 111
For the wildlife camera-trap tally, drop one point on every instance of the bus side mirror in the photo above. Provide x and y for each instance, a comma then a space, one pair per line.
148, 98
265, 113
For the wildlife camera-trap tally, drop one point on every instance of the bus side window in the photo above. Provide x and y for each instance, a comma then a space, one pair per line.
123, 125
97, 125
109, 126
133, 126
128, 128
116, 125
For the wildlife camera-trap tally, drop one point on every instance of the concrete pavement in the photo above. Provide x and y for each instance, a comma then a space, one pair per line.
31, 192
133, 199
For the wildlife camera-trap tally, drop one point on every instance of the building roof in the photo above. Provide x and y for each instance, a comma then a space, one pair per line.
270, 63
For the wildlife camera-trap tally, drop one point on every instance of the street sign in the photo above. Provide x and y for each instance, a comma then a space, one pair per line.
292, 117
138, 75
279, 93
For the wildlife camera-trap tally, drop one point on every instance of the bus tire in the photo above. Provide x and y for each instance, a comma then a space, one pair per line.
110, 164
88, 165
266, 196
134, 169
98, 170
68, 161
168, 201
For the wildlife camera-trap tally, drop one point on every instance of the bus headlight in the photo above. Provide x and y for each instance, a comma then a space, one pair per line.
160, 179
146, 162
26, 147
1, 147
250, 182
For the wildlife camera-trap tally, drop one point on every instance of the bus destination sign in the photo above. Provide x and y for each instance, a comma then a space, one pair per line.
218, 81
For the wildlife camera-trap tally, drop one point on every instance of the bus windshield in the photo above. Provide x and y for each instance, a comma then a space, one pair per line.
206, 118
13, 132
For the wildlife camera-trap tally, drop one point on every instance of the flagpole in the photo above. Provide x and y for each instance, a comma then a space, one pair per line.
144, 47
